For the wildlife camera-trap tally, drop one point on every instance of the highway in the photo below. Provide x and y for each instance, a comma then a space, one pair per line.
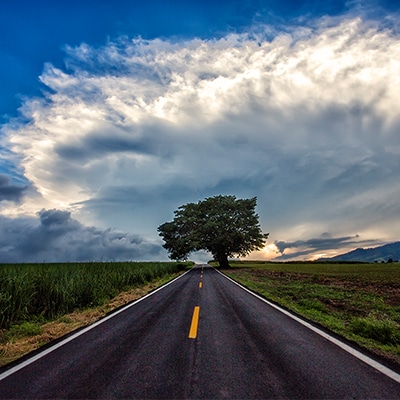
199, 337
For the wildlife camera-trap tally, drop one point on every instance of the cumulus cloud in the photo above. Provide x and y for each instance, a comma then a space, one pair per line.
307, 121
55, 236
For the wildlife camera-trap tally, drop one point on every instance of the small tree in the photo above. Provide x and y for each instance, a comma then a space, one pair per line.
223, 225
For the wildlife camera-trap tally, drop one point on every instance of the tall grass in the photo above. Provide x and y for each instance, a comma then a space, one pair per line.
29, 291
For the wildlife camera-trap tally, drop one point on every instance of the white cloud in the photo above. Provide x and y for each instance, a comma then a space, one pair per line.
308, 122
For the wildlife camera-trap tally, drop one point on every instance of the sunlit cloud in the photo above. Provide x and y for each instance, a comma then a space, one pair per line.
269, 252
323, 246
306, 121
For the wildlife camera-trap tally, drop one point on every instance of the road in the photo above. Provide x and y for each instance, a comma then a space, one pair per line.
200, 337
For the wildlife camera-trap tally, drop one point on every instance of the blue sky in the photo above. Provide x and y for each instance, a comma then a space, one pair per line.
35, 32
115, 113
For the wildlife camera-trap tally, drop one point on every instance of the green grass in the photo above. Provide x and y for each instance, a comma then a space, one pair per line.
360, 302
24, 329
29, 292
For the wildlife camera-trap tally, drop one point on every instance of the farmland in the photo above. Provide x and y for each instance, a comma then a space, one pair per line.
46, 291
40, 302
360, 302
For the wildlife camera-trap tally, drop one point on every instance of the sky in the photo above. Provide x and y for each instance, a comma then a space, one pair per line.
113, 114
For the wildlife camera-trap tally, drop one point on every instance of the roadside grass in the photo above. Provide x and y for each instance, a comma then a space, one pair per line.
49, 290
360, 302
40, 302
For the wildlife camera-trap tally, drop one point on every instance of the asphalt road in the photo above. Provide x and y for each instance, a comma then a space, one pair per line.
199, 337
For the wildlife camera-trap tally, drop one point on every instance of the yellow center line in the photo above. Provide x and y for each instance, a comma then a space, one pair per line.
195, 323
200, 285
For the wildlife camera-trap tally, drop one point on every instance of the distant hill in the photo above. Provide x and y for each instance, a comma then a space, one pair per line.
381, 253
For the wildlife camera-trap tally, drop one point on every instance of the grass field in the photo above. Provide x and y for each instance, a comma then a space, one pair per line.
360, 302
40, 292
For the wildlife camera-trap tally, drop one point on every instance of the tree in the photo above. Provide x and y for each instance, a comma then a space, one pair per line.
223, 225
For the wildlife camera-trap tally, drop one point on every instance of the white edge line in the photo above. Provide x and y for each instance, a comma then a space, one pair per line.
43, 353
371, 362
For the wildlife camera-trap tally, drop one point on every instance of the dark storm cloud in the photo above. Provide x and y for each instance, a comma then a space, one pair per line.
9, 191
55, 236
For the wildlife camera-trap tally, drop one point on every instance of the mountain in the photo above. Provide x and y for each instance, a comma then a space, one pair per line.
382, 253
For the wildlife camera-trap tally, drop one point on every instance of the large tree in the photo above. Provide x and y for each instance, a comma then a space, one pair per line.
223, 225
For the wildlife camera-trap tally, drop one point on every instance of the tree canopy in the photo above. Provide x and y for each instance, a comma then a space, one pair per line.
223, 225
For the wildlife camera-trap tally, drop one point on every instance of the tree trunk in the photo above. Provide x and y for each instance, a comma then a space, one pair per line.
223, 261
